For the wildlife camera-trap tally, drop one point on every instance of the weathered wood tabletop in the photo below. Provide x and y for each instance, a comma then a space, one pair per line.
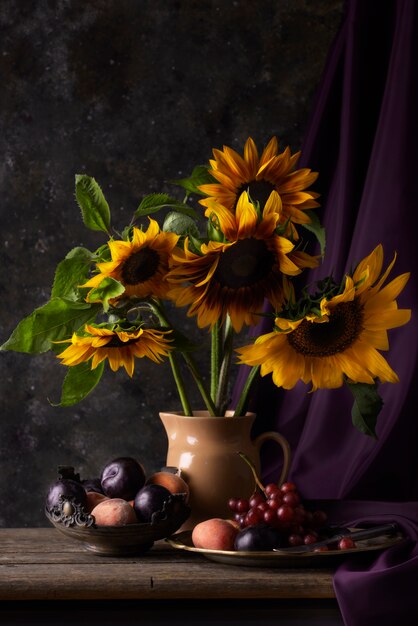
46, 578
42, 564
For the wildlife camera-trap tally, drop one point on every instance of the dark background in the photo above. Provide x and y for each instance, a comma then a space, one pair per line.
134, 93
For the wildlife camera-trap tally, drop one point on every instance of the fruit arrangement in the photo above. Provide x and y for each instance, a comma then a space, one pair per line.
121, 496
273, 517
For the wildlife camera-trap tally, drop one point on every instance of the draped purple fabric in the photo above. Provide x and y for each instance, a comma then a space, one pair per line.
362, 140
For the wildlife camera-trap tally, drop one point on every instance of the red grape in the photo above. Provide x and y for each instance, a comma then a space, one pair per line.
270, 517
277, 495
242, 505
285, 514
288, 487
346, 543
291, 498
295, 540
299, 515
281, 509
310, 538
240, 518
253, 517
263, 506
273, 503
256, 499
270, 489
232, 503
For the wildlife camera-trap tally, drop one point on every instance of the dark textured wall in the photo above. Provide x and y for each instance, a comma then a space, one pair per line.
134, 93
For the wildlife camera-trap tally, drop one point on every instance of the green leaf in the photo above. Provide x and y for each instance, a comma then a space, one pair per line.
94, 208
108, 288
181, 224
126, 234
79, 381
55, 320
156, 201
195, 245
316, 228
199, 176
70, 273
366, 408
214, 229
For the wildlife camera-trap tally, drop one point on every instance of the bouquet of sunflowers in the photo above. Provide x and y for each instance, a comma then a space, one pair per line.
238, 248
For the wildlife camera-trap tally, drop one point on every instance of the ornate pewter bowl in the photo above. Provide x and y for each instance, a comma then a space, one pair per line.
71, 519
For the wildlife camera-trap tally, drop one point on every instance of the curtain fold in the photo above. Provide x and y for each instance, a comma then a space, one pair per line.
362, 139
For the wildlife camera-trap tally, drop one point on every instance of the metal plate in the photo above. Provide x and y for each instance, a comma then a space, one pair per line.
183, 541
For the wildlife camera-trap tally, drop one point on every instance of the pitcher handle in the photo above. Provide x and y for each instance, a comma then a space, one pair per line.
282, 441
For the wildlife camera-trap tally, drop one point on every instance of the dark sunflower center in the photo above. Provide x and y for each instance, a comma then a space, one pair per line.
245, 263
344, 326
259, 191
140, 266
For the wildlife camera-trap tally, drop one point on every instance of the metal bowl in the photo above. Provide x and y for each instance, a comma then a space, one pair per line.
70, 519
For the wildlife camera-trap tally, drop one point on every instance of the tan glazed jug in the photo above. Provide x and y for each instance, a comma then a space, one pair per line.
205, 449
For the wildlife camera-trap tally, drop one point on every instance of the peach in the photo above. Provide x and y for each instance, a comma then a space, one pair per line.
93, 499
173, 482
114, 512
215, 534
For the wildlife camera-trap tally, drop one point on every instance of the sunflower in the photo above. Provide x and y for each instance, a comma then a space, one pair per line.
260, 176
343, 340
141, 264
236, 275
118, 346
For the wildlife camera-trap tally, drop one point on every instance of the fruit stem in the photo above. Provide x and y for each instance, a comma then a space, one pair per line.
251, 466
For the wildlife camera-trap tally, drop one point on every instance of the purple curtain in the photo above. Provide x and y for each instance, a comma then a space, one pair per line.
362, 139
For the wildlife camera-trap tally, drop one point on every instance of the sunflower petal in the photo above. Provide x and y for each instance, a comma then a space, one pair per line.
251, 157
269, 151
246, 216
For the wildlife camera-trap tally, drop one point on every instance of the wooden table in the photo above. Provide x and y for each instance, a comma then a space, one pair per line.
40, 564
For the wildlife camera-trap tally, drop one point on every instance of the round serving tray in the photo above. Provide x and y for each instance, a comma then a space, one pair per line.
183, 541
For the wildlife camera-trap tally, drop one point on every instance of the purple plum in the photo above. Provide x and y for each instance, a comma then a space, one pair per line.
122, 478
67, 488
259, 537
149, 501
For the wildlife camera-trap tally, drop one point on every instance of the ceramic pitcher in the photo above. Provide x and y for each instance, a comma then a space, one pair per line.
205, 449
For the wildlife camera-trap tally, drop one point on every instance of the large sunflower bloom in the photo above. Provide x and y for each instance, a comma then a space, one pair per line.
140, 265
119, 347
234, 276
344, 341
260, 176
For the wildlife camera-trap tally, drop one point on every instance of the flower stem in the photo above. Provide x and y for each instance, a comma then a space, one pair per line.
200, 384
243, 401
159, 312
215, 360
180, 384
178, 379
221, 400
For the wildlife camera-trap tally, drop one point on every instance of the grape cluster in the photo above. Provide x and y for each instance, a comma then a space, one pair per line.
280, 508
